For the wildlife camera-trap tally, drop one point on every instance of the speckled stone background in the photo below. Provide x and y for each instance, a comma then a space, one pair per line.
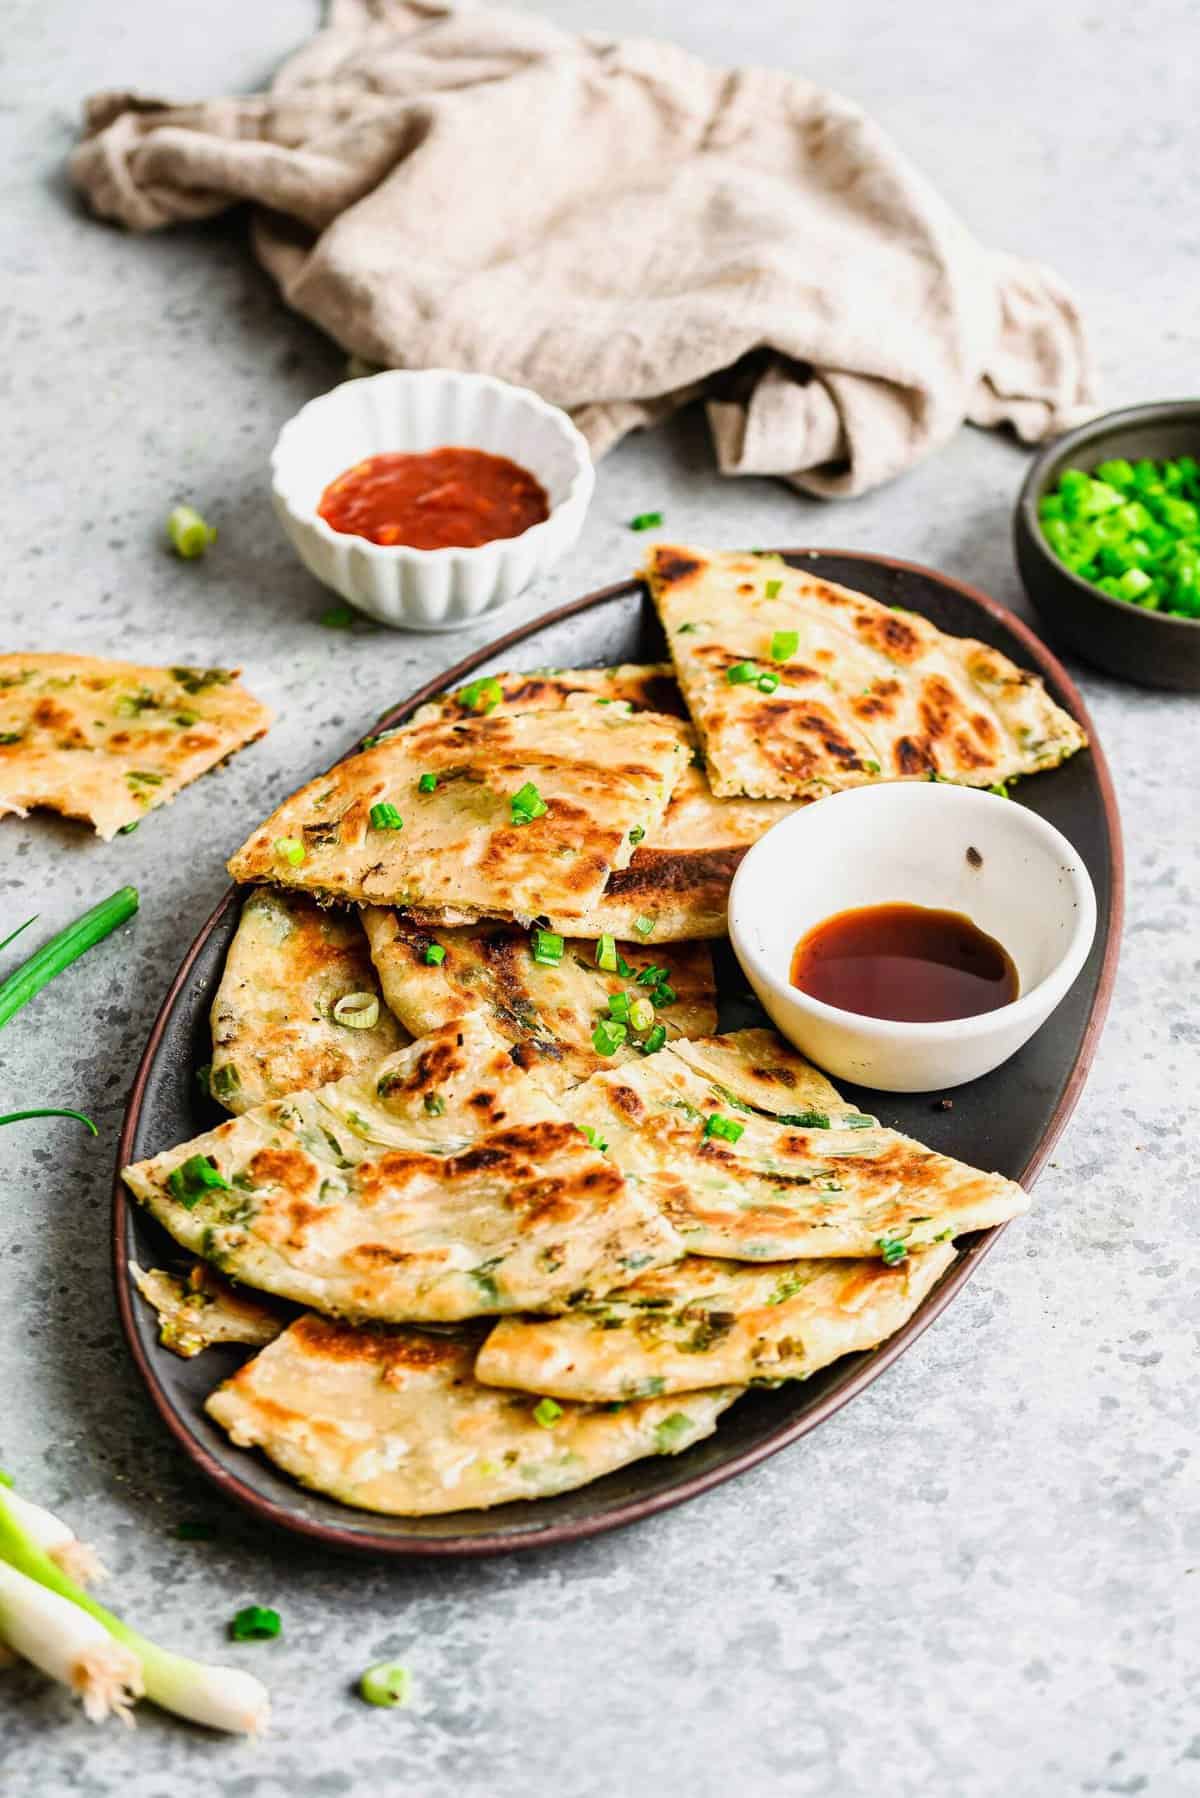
981, 1578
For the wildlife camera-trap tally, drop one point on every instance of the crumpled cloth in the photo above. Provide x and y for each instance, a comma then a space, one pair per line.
620, 227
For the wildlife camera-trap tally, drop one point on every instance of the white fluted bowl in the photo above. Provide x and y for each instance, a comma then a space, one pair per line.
418, 410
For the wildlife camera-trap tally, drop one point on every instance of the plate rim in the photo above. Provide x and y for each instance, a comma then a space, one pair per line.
870, 1368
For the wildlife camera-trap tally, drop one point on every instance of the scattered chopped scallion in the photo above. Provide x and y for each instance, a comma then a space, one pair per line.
767, 683
547, 1413
190, 535
434, 955
256, 1623
427, 783
618, 1007
595, 1138
856, 1120
527, 804
636, 835
892, 1248
784, 644
189, 1182
805, 1120
290, 849
641, 1014
608, 1036
357, 1011
606, 954
384, 816
646, 521
772, 591
644, 926
654, 1041
387, 1684
435, 1105
728, 1129
547, 948
338, 618
741, 674
481, 695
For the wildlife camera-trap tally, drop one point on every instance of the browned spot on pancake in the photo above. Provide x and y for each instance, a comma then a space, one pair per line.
775, 1077
625, 1100
195, 739
389, 1348
52, 716
673, 566
287, 1220
676, 872
939, 707
288, 1169
745, 586
893, 635
984, 729
781, 727
968, 754
912, 758
830, 596
378, 1254
658, 693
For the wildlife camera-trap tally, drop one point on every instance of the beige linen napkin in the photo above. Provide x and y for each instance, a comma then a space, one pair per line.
620, 227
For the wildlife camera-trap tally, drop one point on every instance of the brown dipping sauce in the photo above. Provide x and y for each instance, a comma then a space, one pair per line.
907, 962
448, 498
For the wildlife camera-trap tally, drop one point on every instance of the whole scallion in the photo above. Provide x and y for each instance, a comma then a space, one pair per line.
64, 948
220, 1697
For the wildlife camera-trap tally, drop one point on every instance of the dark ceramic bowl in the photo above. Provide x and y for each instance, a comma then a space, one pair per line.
1153, 648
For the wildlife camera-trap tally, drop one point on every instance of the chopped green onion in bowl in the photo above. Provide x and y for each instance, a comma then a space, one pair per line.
1130, 529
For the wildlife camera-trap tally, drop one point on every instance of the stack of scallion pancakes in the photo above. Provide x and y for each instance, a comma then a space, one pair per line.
514, 1213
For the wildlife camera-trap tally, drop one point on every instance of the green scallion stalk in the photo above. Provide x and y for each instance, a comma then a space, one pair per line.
654, 1041
384, 816
767, 683
644, 926
189, 534
434, 955
727, 1129
220, 1697
290, 850
741, 674
606, 955
17, 1117
69, 944
427, 783
772, 592
547, 1413
784, 644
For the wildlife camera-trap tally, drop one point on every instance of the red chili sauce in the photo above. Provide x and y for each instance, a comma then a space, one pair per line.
448, 498
906, 962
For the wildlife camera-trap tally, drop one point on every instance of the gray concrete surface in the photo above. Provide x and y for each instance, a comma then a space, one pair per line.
982, 1578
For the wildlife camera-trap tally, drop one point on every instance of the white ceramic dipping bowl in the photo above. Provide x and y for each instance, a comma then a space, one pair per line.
403, 410
910, 843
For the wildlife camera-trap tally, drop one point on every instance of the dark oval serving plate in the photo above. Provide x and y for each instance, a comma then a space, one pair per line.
1008, 1121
